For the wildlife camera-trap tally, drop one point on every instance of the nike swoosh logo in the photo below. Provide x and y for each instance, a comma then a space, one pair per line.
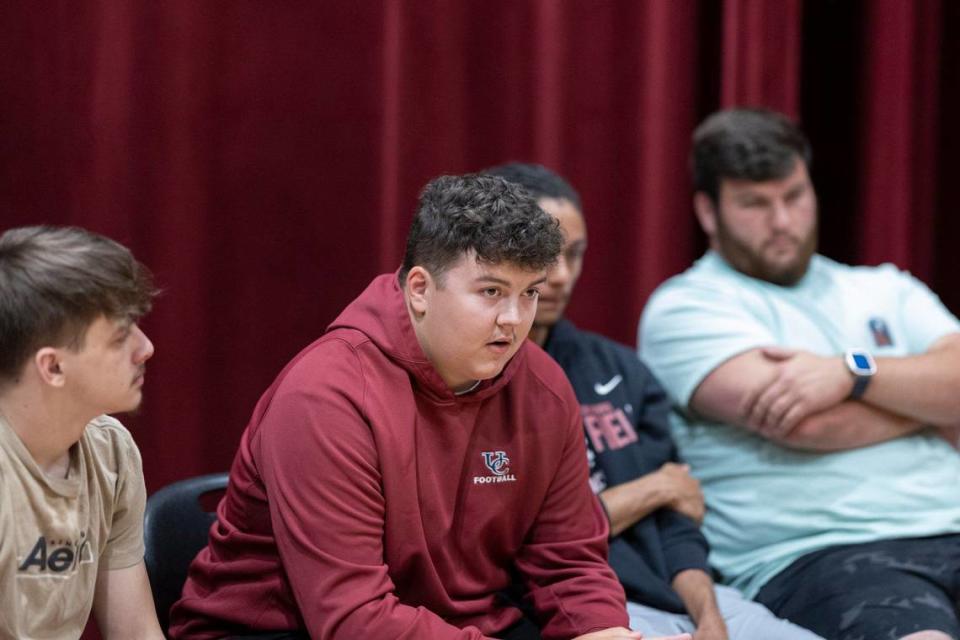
604, 389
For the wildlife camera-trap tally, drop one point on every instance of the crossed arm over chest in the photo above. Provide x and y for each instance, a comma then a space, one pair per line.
800, 399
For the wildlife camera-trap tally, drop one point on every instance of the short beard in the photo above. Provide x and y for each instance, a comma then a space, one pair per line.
751, 263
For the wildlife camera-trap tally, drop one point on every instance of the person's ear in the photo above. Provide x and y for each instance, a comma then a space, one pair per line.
49, 366
418, 284
706, 213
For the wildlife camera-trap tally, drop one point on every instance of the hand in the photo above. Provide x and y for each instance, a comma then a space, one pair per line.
683, 489
804, 385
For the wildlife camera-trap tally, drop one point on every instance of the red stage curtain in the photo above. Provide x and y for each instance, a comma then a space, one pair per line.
264, 159
898, 153
761, 54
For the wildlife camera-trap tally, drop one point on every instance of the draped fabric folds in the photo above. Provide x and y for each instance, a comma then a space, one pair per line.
900, 98
761, 54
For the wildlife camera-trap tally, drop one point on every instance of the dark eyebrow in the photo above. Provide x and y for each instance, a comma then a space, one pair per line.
492, 279
495, 280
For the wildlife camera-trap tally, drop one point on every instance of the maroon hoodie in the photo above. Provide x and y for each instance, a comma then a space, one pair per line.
368, 501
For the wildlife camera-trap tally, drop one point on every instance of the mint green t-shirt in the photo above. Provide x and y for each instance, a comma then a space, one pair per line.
767, 504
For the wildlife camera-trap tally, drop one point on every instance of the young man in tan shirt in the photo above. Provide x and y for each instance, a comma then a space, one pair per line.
71, 485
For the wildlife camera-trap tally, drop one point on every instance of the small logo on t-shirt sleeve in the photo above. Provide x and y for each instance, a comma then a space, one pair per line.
880, 332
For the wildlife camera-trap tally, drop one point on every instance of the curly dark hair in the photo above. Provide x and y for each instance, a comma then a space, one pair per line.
55, 281
747, 144
538, 180
495, 218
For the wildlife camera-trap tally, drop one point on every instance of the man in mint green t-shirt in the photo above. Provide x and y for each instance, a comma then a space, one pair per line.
814, 400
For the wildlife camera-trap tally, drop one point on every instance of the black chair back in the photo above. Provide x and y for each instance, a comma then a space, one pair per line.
175, 528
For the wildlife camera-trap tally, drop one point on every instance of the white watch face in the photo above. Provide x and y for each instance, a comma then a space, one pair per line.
860, 362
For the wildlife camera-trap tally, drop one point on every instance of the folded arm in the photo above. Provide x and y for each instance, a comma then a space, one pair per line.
797, 399
847, 426
923, 387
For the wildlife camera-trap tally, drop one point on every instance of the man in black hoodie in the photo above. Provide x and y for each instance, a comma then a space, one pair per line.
653, 503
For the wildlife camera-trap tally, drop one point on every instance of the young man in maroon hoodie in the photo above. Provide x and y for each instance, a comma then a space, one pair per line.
418, 459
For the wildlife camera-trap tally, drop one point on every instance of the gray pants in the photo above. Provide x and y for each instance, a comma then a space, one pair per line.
746, 620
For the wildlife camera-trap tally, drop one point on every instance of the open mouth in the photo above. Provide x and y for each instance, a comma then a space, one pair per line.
501, 345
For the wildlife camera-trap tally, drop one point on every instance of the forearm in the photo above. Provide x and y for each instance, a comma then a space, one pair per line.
123, 604
802, 406
847, 426
630, 502
143, 632
923, 387
695, 589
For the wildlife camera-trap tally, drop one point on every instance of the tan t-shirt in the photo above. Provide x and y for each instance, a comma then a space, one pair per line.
55, 533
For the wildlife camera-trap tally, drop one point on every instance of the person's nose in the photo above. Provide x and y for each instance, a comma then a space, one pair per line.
145, 350
780, 216
559, 274
509, 315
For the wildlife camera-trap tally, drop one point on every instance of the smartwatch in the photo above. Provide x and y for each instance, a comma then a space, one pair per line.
862, 366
